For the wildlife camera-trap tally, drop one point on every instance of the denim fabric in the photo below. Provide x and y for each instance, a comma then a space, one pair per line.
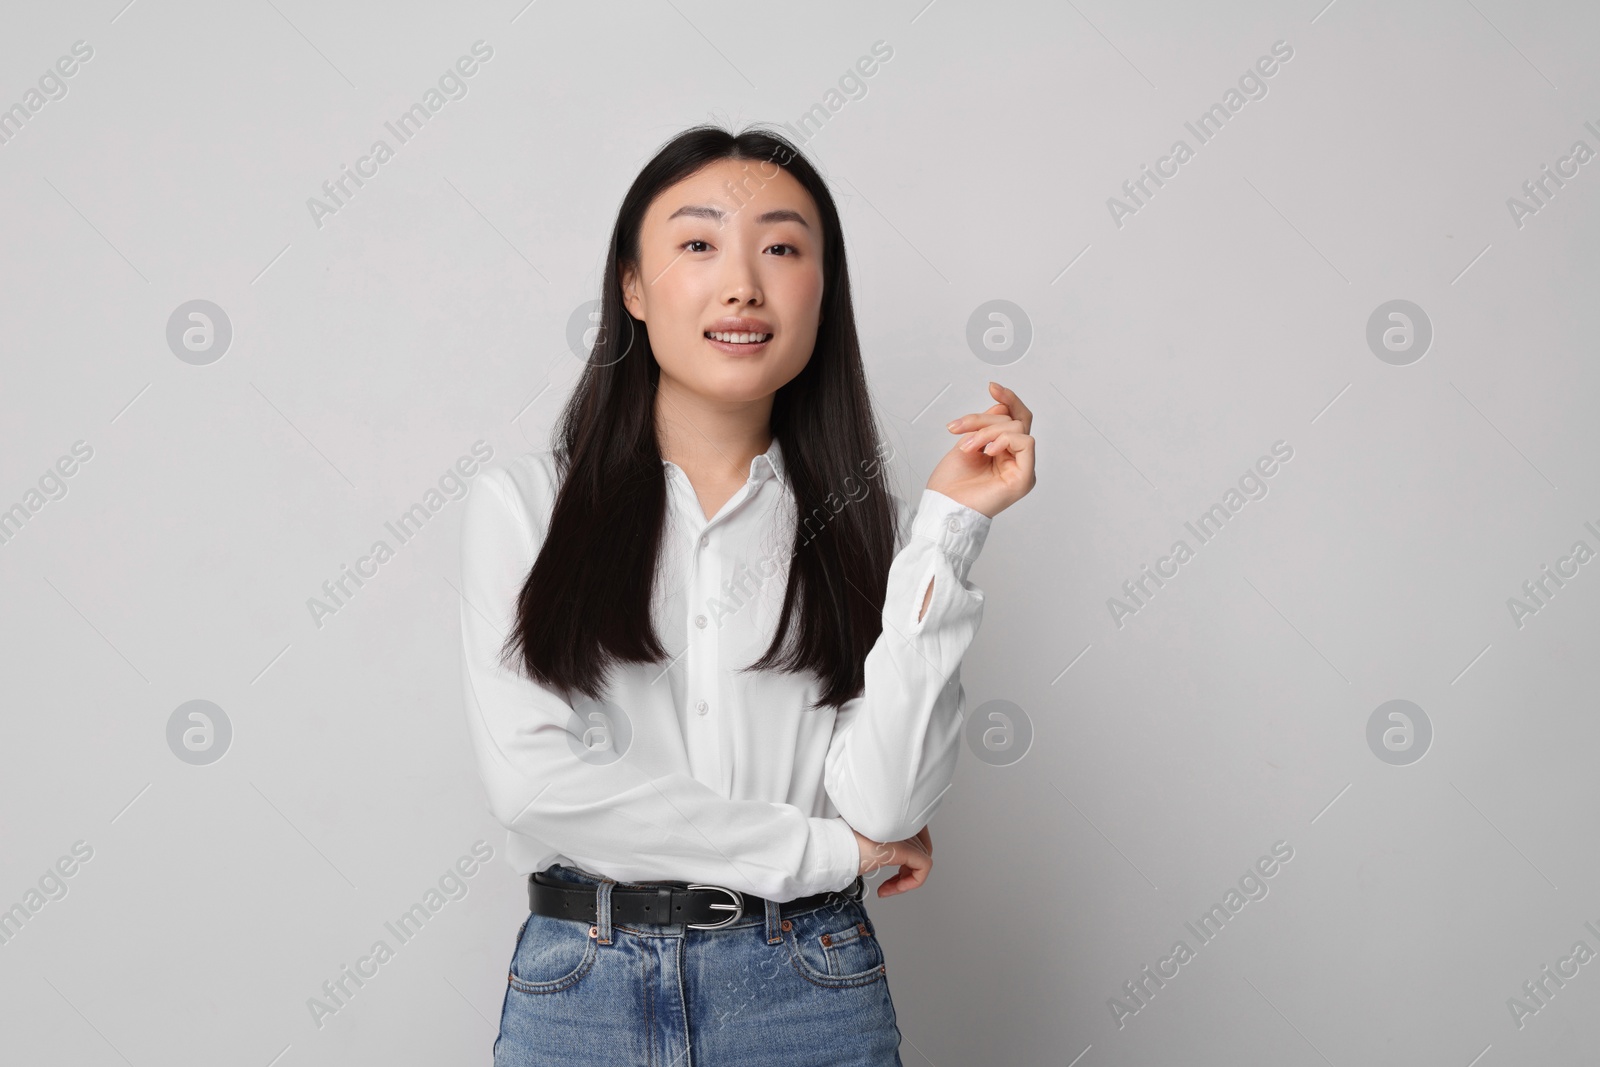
801, 989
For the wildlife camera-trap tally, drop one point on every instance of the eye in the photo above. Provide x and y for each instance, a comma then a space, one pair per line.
686, 245
792, 249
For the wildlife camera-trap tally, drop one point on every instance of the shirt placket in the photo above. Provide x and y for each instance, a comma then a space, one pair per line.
703, 658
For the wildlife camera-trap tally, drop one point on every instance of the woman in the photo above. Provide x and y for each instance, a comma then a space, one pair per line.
711, 663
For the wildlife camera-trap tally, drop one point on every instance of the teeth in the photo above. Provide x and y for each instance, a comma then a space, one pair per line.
739, 338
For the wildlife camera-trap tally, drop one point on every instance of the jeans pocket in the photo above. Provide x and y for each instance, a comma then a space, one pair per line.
552, 954
836, 947
851, 951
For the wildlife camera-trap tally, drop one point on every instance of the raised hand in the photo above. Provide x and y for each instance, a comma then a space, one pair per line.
991, 468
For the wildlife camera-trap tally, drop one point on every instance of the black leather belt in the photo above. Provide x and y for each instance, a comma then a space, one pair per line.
701, 907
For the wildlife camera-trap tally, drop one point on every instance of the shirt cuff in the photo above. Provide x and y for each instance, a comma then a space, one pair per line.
956, 529
838, 857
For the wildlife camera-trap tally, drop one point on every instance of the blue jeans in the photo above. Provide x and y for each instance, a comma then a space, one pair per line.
802, 989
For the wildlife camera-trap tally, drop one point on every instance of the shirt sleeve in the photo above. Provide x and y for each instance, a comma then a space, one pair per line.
894, 748
622, 818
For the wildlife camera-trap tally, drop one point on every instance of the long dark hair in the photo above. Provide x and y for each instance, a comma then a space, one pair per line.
586, 602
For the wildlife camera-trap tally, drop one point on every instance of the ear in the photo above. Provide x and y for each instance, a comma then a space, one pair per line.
630, 291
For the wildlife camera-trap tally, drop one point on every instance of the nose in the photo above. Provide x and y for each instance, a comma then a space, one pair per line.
740, 282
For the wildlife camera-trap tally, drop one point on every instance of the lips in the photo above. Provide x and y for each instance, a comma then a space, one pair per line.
738, 342
740, 336
739, 324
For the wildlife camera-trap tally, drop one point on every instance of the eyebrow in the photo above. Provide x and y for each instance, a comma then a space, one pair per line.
716, 214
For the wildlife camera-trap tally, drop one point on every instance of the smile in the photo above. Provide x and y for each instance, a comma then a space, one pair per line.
737, 342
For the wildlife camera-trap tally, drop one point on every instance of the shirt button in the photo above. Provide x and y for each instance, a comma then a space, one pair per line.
700, 621
701, 708
705, 539
954, 523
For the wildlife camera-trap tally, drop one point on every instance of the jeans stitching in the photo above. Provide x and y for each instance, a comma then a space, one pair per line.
556, 985
829, 981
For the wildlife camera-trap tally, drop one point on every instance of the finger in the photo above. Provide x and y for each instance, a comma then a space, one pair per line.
1004, 441
1010, 441
973, 420
1014, 403
1013, 449
980, 437
921, 877
1019, 410
913, 873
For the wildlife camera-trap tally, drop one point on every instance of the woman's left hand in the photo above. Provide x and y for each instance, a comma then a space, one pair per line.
992, 467
909, 877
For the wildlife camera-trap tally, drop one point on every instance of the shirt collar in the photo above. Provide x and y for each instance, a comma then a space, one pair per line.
768, 464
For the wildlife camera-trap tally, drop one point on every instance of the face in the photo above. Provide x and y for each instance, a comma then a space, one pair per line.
738, 240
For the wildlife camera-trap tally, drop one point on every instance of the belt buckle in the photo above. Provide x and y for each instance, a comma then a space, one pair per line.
737, 907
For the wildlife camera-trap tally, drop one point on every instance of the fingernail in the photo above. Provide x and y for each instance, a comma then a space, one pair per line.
953, 424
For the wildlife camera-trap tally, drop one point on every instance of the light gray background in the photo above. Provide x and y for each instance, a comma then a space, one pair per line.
1168, 354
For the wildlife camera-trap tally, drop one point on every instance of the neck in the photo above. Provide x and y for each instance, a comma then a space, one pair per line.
711, 437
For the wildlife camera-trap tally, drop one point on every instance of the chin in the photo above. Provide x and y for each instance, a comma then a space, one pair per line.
741, 392
737, 384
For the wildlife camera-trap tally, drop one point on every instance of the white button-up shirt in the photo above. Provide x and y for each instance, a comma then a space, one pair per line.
691, 769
